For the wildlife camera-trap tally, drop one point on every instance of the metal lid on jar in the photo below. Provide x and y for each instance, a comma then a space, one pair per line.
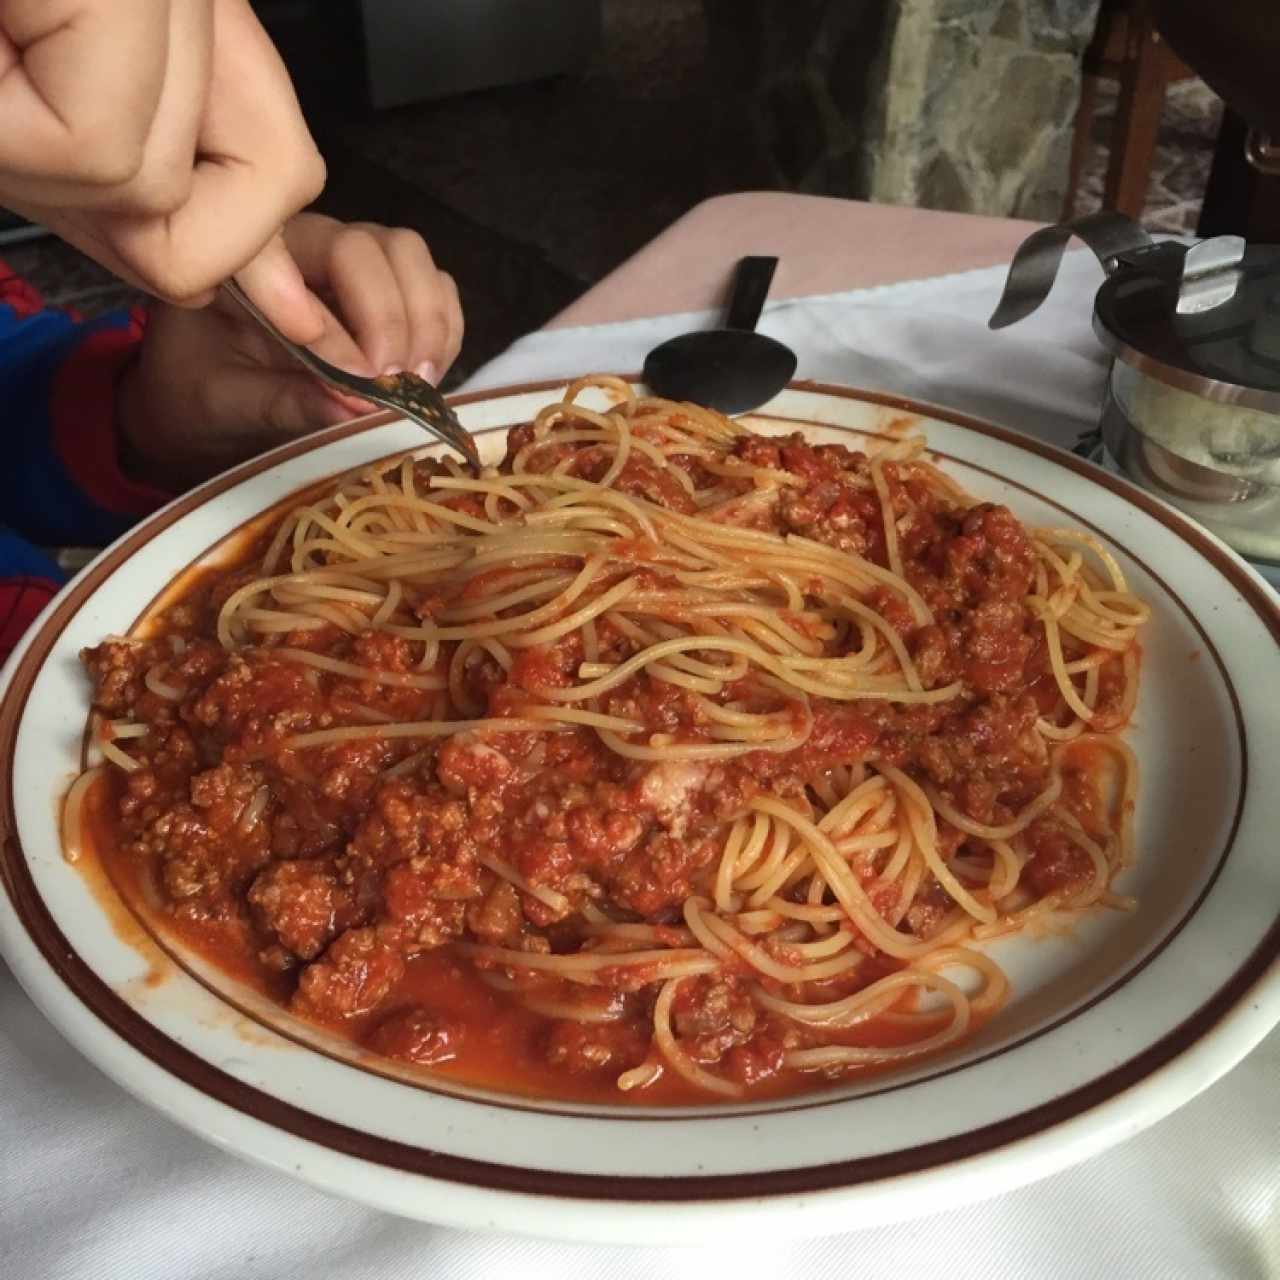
1205, 319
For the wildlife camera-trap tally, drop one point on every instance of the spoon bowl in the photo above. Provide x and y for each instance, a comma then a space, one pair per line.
732, 369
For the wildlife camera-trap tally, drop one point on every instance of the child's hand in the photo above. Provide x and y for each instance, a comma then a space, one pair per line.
163, 138
210, 388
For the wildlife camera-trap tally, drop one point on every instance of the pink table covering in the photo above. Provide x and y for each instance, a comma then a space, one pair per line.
825, 246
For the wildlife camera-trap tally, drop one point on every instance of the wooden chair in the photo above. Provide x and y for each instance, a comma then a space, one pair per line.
1126, 47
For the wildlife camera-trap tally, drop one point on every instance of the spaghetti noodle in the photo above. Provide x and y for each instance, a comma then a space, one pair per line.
713, 753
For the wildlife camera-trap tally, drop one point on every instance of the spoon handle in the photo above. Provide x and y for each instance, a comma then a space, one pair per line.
750, 289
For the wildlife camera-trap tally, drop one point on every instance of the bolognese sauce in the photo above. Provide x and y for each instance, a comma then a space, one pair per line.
374, 802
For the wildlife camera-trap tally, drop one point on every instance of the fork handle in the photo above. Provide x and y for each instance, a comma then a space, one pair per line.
299, 353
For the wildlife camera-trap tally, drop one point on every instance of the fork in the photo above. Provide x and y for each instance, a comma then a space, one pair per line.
406, 393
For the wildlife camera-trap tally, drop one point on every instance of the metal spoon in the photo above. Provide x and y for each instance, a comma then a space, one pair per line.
405, 393
733, 369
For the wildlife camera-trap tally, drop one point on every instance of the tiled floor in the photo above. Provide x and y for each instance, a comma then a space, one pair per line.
529, 194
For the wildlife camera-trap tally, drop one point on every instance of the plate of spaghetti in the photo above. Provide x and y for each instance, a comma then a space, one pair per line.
847, 809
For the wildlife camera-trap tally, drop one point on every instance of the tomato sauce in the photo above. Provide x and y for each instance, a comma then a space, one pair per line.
348, 881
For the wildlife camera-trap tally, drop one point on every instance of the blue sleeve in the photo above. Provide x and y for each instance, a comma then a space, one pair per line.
62, 481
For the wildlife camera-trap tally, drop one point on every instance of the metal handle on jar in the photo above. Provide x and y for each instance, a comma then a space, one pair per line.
1207, 274
1035, 265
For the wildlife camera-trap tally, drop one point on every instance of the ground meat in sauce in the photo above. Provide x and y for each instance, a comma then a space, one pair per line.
418, 1036
341, 873
586, 1048
305, 903
356, 973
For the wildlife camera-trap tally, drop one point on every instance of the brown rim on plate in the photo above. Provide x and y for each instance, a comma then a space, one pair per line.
130, 1026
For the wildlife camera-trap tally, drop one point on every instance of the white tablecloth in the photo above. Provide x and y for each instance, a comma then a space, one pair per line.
93, 1186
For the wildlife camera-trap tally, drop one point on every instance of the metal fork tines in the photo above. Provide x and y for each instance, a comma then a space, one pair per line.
405, 393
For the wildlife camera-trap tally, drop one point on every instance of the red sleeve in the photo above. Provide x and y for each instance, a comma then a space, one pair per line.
21, 599
82, 409
17, 293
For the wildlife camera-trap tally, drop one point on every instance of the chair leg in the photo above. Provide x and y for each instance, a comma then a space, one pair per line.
1080, 142
1138, 111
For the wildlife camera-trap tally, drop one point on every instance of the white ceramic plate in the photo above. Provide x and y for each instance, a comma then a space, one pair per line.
1109, 1028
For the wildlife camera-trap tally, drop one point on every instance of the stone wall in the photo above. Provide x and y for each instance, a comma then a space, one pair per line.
950, 104
979, 99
